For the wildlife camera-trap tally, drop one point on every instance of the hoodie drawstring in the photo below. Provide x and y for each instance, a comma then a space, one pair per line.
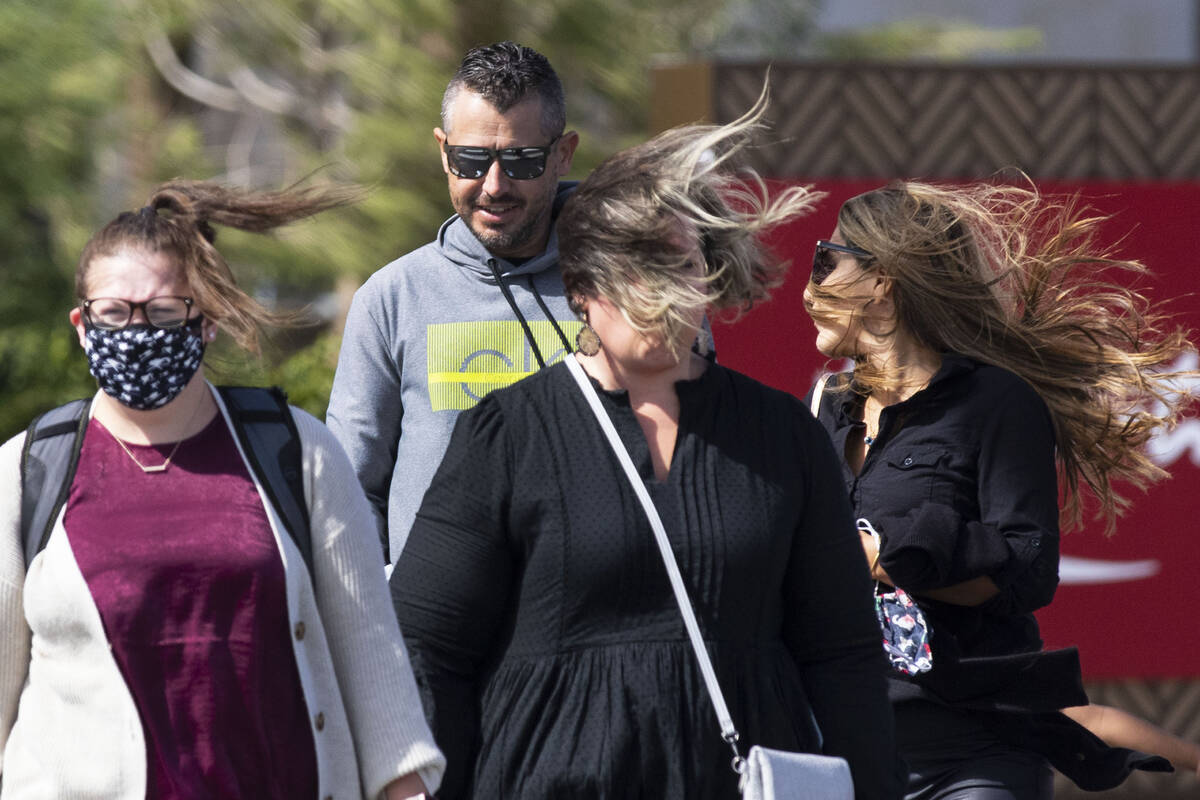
537, 354
562, 337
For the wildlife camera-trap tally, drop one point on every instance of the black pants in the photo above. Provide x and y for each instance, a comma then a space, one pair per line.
952, 756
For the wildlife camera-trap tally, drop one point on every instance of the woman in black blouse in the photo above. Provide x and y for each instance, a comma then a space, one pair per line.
990, 354
550, 652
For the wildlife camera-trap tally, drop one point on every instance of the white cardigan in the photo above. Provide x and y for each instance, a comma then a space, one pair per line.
68, 724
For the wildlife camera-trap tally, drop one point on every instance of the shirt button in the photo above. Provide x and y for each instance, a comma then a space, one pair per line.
320, 721
300, 630
908, 461
1036, 541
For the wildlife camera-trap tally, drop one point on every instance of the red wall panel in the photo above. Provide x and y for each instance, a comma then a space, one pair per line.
1125, 601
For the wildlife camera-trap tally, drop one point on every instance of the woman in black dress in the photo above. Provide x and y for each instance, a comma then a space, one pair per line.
992, 352
550, 653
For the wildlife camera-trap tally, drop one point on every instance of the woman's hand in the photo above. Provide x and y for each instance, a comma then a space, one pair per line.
870, 545
406, 787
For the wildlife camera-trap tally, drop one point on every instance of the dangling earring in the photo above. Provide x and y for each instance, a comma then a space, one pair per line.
587, 341
704, 342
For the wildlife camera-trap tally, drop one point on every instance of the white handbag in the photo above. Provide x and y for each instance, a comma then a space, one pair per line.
765, 774
782, 775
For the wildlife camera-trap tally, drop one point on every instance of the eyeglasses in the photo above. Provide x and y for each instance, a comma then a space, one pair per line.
824, 262
113, 313
518, 163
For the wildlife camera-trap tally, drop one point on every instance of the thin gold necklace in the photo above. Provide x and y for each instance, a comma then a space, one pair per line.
148, 468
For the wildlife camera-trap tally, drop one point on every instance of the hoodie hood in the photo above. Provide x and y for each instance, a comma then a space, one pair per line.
458, 244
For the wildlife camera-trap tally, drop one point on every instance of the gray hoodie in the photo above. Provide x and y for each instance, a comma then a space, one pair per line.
428, 336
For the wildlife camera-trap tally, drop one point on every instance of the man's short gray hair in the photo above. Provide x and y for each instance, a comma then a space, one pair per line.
505, 74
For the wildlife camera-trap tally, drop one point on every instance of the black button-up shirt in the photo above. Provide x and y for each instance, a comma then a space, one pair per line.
960, 482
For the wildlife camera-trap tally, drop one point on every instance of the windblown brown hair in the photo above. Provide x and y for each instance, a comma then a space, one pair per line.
177, 221
619, 230
1011, 278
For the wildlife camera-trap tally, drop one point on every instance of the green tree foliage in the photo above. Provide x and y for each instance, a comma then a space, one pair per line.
63, 63
105, 98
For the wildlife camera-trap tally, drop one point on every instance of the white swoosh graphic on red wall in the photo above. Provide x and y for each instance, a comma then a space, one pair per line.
1079, 571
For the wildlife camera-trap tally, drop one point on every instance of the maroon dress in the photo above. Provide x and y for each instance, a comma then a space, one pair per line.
191, 589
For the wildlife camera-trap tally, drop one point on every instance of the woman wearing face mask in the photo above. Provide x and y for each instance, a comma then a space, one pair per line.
545, 637
169, 639
991, 353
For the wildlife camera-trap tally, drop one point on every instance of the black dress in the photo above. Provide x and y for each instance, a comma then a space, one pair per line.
550, 653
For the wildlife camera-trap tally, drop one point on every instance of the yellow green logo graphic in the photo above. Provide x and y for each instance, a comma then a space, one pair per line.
466, 360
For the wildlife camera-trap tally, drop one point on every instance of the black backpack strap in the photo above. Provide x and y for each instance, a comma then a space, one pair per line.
263, 424
48, 461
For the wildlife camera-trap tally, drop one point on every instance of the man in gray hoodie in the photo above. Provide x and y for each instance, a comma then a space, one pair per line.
481, 306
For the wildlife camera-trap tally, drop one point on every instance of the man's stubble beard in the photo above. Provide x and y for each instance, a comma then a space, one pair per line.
500, 243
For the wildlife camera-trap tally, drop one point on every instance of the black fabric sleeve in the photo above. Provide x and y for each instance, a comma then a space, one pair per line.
1015, 539
452, 585
830, 626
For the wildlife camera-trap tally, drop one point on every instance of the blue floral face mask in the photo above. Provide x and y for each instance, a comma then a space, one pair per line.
905, 632
144, 367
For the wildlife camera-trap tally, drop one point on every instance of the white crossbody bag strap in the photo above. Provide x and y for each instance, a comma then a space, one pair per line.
728, 731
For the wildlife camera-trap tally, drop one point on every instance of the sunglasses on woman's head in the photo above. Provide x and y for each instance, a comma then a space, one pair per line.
824, 262
518, 163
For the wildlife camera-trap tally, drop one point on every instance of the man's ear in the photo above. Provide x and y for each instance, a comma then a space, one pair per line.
564, 151
440, 135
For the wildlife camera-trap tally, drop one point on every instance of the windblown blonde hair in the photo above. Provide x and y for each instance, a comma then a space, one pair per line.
1006, 276
619, 234
176, 221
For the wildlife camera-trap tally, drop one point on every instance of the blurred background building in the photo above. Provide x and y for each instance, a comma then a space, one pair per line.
1086, 31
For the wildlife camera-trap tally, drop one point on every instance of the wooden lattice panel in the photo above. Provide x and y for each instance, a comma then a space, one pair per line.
885, 121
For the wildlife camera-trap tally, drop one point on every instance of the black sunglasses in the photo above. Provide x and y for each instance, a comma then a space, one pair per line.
824, 263
518, 163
